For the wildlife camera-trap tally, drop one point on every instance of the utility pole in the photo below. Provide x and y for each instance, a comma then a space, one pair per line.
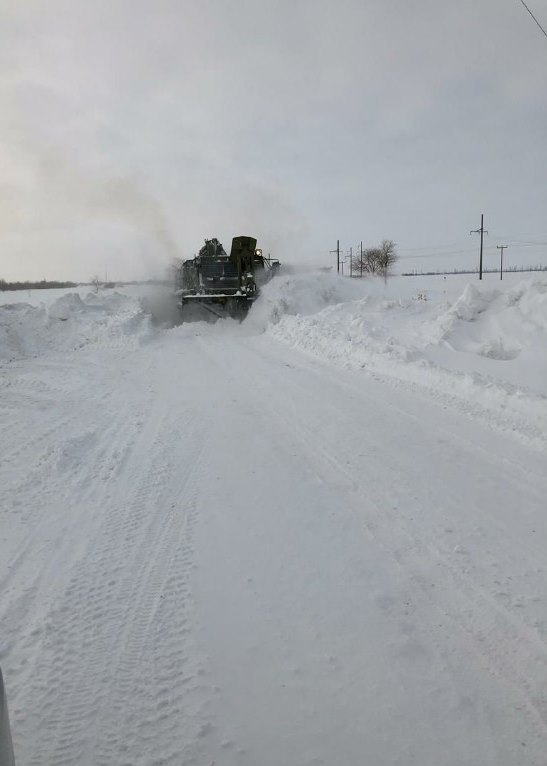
481, 232
337, 251
351, 261
502, 248
361, 260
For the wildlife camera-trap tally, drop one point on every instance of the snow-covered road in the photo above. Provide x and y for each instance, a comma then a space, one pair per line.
218, 550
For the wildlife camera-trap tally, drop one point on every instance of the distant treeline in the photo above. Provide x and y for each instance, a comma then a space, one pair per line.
511, 269
42, 285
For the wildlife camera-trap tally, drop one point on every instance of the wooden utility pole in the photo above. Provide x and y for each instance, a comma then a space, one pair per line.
337, 251
351, 261
361, 260
481, 232
502, 248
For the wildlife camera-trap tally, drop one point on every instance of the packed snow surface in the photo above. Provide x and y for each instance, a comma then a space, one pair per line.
316, 537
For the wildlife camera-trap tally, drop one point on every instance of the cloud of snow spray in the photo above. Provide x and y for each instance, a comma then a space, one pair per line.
83, 195
115, 199
122, 199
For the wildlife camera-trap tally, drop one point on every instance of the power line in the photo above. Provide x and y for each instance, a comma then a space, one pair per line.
456, 254
532, 15
407, 253
526, 242
535, 238
435, 250
423, 248
519, 243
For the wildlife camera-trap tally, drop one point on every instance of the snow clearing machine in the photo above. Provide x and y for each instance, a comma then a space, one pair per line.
222, 284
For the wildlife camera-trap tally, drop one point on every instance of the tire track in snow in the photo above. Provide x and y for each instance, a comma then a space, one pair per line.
124, 620
53, 542
30, 425
156, 665
87, 453
30, 616
73, 486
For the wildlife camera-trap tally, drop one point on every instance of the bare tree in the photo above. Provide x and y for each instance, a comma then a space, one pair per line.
369, 262
372, 259
377, 260
387, 258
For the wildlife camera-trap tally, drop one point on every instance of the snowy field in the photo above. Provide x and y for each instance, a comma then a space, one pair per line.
316, 537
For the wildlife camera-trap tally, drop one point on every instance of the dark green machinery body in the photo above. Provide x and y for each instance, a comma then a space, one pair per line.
224, 284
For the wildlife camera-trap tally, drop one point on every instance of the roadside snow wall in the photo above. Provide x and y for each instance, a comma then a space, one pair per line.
71, 322
484, 350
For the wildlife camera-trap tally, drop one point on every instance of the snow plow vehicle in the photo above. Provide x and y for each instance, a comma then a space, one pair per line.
222, 284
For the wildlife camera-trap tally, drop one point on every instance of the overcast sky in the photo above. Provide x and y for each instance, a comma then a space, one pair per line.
130, 130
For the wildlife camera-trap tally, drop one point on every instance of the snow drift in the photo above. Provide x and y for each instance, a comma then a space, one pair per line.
71, 322
483, 349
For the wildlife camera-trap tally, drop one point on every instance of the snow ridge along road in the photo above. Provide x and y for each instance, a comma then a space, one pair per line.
218, 550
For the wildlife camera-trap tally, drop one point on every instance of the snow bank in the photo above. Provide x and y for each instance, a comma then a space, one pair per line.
71, 322
302, 293
485, 350
499, 325
482, 349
